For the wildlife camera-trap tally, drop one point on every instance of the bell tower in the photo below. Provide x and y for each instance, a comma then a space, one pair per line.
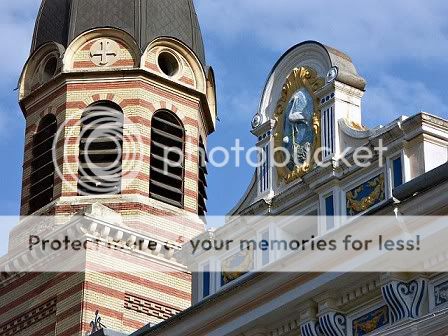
118, 102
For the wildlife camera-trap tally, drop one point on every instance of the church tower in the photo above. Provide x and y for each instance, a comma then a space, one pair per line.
118, 102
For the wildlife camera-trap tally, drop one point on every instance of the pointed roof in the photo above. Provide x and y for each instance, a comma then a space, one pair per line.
62, 21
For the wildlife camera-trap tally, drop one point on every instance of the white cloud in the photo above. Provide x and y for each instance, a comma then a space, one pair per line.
14, 54
239, 107
371, 31
392, 97
378, 35
374, 33
16, 27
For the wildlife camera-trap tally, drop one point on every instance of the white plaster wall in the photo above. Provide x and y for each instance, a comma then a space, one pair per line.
435, 155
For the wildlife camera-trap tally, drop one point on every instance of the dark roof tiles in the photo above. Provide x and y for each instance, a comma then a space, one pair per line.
62, 21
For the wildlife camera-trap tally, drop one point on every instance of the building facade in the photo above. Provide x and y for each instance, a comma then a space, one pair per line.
312, 102
108, 86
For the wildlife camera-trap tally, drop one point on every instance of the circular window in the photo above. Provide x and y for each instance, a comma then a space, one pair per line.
168, 64
50, 68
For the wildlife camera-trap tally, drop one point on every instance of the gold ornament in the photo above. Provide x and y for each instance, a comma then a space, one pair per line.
299, 78
244, 261
356, 205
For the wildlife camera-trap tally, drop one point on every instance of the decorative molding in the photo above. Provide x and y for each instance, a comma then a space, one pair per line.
371, 287
311, 328
371, 321
333, 324
366, 195
104, 52
28, 318
435, 120
354, 130
286, 328
309, 323
304, 54
263, 128
257, 332
438, 294
149, 307
95, 225
300, 78
405, 299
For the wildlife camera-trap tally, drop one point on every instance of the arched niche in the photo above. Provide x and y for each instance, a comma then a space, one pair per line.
102, 48
309, 54
43, 65
190, 70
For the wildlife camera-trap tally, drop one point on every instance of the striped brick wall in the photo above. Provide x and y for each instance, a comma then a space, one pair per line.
64, 304
44, 303
169, 287
139, 100
55, 103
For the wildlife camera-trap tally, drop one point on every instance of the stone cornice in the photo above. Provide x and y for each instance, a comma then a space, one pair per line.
98, 231
116, 74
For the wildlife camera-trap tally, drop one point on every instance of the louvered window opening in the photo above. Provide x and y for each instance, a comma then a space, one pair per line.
100, 151
202, 182
167, 159
42, 166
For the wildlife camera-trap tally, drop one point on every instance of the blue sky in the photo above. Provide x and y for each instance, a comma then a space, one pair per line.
400, 47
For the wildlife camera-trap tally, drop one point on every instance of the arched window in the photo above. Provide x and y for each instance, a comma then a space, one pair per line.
167, 158
100, 150
42, 166
202, 182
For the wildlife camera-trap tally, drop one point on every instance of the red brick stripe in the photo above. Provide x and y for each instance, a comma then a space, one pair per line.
46, 101
186, 80
72, 331
152, 67
18, 282
132, 85
36, 291
150, 265
113, 293
48, 330
90, 64
133, 324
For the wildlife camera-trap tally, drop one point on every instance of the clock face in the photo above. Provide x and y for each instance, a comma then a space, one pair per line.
256, 121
